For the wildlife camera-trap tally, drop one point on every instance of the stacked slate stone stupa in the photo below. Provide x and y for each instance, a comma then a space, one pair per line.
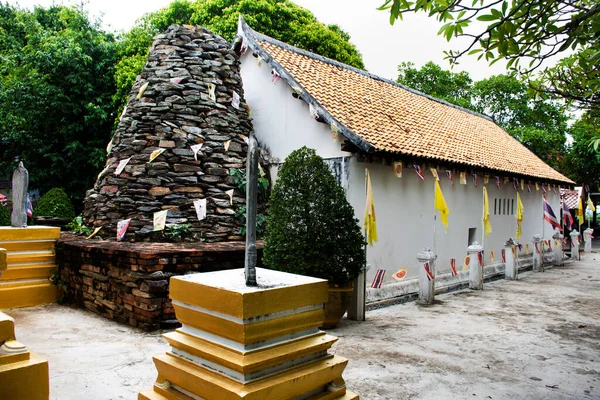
186, 95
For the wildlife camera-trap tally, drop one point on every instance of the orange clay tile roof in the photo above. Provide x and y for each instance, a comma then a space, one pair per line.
394, 119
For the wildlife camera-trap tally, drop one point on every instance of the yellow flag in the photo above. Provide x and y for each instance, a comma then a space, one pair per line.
370, 220
440, 204
487, 226
519, 216
590, 204
580, 212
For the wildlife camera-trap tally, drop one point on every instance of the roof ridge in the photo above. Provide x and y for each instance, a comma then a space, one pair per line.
257, 36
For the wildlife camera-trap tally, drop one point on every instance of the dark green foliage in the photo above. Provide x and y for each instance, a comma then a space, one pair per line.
56, 204
280, 19
311, 228
77, 227
56, 109
431, 79
4, 216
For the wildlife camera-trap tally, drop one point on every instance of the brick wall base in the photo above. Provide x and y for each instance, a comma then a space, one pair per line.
129, 282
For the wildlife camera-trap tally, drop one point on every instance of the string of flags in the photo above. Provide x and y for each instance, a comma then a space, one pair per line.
518, 184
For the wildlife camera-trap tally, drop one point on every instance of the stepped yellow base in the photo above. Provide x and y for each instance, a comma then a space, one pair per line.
23, 375
27, 293
28, 263
241, 343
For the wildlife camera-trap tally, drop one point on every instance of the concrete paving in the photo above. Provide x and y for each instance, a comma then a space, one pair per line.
536, 338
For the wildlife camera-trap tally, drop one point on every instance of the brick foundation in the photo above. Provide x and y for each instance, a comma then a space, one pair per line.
129, 282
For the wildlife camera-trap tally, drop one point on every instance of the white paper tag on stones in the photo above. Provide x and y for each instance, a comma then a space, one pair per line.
109, 146
211, 91
196, 148
261, 171
142, 90
160, 220
200, 206
245, 139
122, 229
259, 61
121, 166
244, 47
155, 154
123, 113
226, 145
235, 101
230, 194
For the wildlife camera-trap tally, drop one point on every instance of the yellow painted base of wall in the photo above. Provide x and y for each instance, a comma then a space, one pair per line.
29, 263
248, 343
23, 374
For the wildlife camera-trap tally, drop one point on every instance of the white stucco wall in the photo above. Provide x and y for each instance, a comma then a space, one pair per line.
404, 206
404, 209
281, 122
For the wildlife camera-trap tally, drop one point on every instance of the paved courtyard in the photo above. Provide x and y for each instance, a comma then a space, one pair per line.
536, 338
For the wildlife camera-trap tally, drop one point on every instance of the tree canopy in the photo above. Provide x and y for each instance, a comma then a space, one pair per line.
540, 124
431, 79
280, 19
525, 33
56, 80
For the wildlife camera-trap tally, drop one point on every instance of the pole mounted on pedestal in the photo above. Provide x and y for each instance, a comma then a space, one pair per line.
251, 200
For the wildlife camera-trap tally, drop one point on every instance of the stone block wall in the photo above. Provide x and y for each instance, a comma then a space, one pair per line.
129, 283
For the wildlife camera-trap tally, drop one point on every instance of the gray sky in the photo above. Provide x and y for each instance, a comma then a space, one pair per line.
383, 46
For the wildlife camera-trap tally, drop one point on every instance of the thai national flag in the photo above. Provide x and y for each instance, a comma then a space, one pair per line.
475, 180
516, 183
549, 215
453, 266
29, 207
428, 271
498, 182
503, 255
419, 172
537, 249
544, 189
567, 217
554, 188
529, 187
480, 258
378, 281
450, 176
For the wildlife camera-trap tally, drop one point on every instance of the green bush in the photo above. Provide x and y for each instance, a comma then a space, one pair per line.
4, 216
55, 203
311, 228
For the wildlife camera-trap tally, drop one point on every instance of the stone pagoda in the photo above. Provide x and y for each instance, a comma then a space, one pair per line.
184, 130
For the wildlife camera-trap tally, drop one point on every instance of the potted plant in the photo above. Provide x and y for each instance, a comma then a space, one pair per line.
54, 209
311, 229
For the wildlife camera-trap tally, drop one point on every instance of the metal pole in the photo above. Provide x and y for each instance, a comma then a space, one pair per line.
251, 199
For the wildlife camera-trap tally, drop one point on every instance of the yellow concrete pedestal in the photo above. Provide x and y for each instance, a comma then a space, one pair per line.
240, 342
23, 375
30, 261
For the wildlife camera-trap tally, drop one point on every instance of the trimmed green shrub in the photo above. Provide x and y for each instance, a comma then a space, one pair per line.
4, 216
55, 203
311, 228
